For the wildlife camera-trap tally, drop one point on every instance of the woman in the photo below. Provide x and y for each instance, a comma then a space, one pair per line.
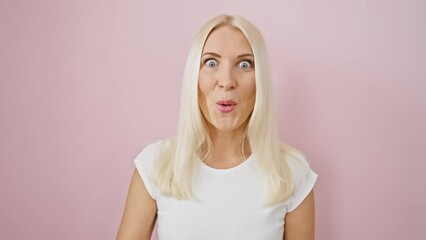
225, 175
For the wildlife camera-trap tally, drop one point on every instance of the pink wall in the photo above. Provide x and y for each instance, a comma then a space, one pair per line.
84, 85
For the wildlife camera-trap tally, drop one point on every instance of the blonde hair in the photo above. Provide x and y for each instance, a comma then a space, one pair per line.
182, 154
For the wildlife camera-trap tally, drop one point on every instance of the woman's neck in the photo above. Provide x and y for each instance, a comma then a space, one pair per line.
227, 148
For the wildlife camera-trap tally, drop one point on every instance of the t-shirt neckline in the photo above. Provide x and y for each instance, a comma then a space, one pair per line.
226, 170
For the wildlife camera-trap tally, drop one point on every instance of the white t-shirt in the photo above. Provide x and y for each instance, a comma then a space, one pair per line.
231, 202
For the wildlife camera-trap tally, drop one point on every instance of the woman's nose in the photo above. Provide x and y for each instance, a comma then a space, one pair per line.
226, 78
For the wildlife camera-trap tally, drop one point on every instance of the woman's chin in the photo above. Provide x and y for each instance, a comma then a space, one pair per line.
228, 127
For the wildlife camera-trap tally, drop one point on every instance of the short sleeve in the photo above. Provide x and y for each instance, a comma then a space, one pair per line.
304, 179
144, 162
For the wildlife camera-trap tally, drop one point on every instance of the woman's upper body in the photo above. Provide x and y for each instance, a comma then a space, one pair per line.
225, 176
228, 203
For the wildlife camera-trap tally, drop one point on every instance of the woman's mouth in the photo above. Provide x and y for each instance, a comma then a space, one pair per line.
226, 106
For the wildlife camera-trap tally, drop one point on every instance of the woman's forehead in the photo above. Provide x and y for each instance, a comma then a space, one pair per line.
227, 39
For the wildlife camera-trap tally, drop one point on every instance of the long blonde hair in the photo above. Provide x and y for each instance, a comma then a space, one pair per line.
182, 154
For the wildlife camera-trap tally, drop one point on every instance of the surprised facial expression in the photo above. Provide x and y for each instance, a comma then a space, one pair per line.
226, 82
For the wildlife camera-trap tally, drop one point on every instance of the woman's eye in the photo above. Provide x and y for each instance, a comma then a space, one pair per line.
245, 64
211, 63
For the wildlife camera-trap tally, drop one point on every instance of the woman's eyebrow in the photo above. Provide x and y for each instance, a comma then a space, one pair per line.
245, 55
212, 53
239, 56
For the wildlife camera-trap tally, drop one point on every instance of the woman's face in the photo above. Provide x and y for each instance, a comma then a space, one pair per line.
226, 80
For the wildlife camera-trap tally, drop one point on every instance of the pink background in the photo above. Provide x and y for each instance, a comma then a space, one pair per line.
85, 85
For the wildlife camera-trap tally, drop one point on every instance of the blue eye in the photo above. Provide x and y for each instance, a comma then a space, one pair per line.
245, 64
211, 63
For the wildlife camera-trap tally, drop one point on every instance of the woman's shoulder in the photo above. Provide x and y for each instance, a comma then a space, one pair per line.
297, 161
303, 177
151, 151
292, 154
145, 162
151, 148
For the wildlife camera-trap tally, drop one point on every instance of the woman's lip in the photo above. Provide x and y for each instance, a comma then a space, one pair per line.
226, 102
226, 106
